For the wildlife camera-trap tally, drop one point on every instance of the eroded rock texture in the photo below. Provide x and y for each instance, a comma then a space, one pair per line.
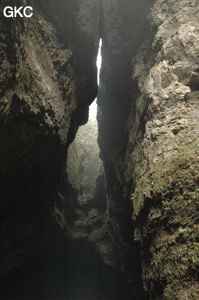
165, 176
81, 211
66, 226
40, 113
37, 100
88, 213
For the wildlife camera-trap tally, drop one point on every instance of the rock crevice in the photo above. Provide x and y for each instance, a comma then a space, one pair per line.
128, 207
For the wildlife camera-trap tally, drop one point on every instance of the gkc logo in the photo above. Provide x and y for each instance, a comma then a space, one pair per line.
13, 12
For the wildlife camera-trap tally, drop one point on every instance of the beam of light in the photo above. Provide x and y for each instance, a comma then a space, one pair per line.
99, 61
93, 106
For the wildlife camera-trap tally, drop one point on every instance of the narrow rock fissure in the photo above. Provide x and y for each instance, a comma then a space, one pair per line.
79, 252
102, 209
93, 233
93, 106
93, 269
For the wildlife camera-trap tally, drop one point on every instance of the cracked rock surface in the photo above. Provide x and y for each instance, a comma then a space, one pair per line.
131, 214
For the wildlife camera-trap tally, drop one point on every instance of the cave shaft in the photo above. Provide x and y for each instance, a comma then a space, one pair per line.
115, 219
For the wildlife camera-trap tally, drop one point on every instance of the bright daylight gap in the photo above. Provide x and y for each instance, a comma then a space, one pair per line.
93, 106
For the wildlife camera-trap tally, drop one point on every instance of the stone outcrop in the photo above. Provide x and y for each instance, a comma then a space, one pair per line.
162, 117
166, 118
40, 113
37, 100
134, 219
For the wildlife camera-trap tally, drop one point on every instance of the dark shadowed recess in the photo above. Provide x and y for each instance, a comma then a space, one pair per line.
54, 267
60, 269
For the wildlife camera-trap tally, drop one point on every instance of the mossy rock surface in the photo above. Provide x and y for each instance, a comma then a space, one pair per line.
166, 202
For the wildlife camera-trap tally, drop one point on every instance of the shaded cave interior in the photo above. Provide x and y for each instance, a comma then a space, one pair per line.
61, 267
106, 209
76, 265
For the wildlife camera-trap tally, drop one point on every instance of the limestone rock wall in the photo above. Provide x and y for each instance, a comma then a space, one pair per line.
37, 99
124, 28
40, 87
164, 119
143, 126
148, 131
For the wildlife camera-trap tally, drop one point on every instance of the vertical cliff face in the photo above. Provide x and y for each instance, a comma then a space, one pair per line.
40, 111
37, 100
165, 178
130, 216
145, 154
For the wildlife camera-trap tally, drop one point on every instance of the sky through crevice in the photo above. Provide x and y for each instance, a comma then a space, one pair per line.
93, 106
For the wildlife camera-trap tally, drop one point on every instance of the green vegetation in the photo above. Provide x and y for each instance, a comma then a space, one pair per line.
137, 158
25, 78
172, 236
34, 23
